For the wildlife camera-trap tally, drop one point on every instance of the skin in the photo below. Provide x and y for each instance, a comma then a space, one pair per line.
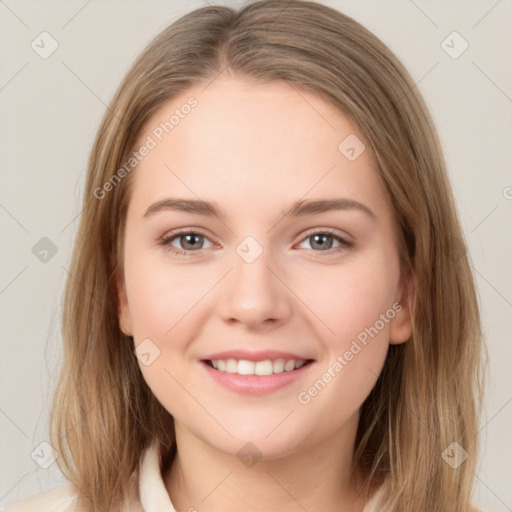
254, 149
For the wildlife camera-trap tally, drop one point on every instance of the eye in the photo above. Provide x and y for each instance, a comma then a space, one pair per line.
323, 241
189, 241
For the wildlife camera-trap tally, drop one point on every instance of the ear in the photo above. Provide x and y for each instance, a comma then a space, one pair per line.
125, 320
401, 324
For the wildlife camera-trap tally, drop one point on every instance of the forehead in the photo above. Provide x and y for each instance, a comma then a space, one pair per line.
252, 142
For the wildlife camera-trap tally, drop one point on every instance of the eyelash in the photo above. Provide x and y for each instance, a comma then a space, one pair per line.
170, 237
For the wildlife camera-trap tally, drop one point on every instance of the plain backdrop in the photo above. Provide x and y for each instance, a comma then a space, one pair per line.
50, 109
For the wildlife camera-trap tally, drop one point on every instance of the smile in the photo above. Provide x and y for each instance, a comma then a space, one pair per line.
256, 377
266, 367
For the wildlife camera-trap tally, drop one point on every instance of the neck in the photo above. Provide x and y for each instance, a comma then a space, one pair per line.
318, 477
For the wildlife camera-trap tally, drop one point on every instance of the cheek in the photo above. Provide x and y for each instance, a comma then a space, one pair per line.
159, 296
351, 305
349, 300
162, 304
356, 303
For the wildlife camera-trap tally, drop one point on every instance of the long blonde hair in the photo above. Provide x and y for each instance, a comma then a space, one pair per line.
429, 393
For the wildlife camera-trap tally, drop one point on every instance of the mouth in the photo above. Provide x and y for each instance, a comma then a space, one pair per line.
256, 372
263, 368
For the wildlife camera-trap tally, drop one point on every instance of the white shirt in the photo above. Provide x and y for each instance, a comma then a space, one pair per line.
153, 494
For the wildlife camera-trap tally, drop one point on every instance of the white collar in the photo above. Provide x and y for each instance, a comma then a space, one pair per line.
154, 496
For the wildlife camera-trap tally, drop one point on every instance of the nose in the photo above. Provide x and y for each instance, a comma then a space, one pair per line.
255, 294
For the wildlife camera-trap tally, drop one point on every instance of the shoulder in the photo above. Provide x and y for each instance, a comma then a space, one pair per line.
58, 499
64, 498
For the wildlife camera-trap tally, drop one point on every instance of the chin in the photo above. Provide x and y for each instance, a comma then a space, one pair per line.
268, 440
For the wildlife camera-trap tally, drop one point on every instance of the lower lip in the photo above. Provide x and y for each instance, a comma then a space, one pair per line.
255, 384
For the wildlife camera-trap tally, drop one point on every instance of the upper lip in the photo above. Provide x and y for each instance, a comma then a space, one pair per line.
255, 356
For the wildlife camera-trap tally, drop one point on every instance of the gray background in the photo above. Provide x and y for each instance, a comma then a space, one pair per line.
50, 109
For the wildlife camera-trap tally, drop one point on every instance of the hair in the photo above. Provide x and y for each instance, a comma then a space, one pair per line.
429, 393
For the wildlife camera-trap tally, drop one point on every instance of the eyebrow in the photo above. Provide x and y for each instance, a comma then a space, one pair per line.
299, 208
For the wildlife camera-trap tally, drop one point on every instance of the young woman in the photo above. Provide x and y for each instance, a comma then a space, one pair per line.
270, 306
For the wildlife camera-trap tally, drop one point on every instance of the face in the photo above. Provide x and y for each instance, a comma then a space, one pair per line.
257, 283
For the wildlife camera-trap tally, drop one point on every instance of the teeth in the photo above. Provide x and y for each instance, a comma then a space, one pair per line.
245, 367
231, 366
264, 367
279, 366
289, 365
267, 367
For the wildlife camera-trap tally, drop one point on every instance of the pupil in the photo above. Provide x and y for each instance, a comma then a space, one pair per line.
324, 245
320, 244
191, 245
